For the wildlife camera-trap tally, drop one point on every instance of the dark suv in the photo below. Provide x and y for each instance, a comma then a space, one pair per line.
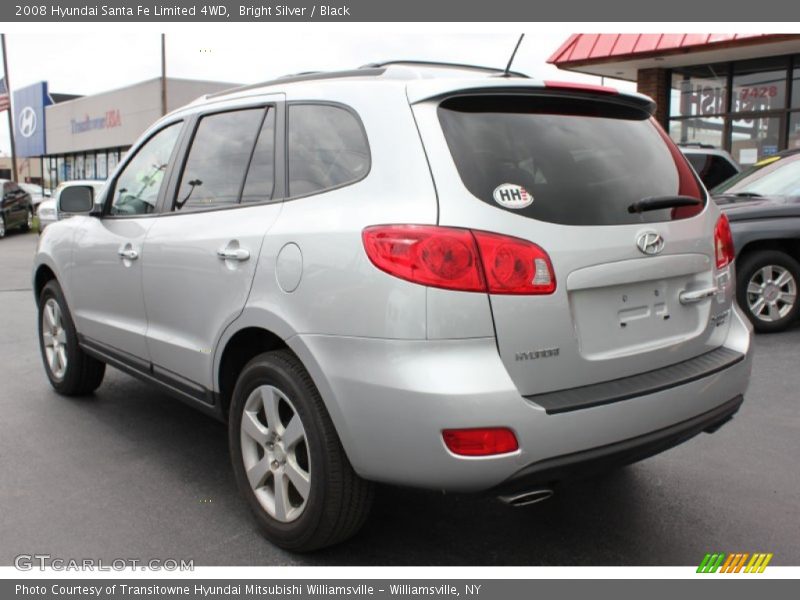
763, 206
16, 208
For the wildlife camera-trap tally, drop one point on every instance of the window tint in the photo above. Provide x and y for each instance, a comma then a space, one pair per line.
327, 148
218, 160
560, 160
136, 188
260, 182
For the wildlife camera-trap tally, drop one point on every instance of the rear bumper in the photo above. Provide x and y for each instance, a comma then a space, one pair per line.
595, 460
390, 400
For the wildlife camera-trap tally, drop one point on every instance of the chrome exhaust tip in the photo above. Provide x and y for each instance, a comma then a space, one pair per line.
527, 498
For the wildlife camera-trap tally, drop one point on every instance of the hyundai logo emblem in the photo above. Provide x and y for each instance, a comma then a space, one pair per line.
27, 122
650, 243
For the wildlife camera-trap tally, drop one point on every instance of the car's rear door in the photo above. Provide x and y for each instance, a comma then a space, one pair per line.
201, 253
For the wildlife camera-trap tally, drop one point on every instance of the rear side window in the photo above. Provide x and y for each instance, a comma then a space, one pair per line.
564, 160
327, 148
218, 159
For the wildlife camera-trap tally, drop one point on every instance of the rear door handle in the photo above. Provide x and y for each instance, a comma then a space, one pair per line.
697, 295
128, 253
239, 254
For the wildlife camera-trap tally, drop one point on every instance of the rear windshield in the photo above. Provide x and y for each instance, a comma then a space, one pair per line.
565, 160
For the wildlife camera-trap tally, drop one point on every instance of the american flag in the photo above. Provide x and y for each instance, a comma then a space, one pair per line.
5, 102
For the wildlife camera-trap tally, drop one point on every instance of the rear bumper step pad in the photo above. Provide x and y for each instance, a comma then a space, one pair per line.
638, 385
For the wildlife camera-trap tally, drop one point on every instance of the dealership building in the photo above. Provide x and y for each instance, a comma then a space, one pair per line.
740, 92
84, 137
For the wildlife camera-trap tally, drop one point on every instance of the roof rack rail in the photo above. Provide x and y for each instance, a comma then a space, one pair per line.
308, 76
431, 63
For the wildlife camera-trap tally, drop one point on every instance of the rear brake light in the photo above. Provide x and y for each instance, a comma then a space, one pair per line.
480, 442
428, 255
723, 243
460, 259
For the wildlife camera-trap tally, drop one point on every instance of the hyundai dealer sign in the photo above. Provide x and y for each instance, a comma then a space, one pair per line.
29, 125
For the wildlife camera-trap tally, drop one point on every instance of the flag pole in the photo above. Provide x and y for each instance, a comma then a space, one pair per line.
10, 115
163, 74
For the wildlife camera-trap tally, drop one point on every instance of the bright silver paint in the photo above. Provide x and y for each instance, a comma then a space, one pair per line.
395, 362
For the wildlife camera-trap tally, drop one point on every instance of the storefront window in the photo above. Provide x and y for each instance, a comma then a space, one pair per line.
699, 91
759, 85
113, 160
754, 139
88, 167
697, 131
796, 84
101, 168
794, 130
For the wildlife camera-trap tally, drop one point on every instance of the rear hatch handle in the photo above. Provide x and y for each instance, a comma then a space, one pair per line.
691, 297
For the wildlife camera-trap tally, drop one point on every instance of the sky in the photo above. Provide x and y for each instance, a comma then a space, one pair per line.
91, 62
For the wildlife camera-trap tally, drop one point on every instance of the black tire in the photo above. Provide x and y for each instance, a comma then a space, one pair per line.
338, 502
26, 226
748, 268
83, 374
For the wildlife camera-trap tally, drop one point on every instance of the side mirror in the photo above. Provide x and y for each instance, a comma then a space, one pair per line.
76, 200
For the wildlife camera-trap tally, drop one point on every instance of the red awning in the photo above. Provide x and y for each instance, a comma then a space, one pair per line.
585, 48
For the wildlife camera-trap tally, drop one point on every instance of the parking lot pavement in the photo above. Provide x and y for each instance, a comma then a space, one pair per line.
131, 473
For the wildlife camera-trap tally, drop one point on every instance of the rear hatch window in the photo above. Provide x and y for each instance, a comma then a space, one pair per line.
566, 160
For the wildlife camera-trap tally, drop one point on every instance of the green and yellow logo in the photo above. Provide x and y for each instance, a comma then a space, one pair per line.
719, 562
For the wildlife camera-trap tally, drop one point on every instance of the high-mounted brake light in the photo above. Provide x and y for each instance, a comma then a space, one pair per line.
480, 442
580, 87
723, 243
460, 259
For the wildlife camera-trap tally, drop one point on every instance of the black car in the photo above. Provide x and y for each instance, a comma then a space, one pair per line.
763, 206
16, 208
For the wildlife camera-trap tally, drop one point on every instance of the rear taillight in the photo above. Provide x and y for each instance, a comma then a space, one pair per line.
460, 259
723, 243
480, 442
514, 266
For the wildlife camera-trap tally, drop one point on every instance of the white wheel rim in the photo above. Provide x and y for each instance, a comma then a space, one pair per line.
2, 227
275, 453
771, 293
54, 339
30, 219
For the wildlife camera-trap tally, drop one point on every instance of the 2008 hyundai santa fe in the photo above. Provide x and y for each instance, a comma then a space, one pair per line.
417, 274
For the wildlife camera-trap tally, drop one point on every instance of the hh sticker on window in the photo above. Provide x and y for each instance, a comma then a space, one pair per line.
513, 196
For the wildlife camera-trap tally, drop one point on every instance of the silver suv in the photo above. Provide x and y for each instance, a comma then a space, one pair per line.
428, 276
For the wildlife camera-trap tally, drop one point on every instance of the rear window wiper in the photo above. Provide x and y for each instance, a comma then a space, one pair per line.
659, 202
746, 195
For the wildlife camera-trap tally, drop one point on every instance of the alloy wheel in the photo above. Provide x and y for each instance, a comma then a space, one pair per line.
275, 453
771, 293
55, 339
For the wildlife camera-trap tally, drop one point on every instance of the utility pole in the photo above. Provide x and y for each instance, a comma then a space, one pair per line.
10, 114
163, 75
